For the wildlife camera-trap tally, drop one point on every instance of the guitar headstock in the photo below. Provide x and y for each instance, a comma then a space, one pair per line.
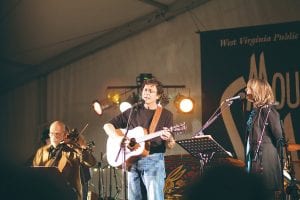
178, 128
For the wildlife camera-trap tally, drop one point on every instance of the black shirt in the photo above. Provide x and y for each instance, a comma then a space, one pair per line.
141, 116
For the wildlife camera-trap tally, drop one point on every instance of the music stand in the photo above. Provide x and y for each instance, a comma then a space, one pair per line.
204, 148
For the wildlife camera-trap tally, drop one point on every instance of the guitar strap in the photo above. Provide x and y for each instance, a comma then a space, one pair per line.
155, 119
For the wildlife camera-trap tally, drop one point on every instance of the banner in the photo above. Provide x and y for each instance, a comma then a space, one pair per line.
229, 58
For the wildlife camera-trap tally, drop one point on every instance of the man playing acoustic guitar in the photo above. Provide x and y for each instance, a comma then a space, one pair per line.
146, 173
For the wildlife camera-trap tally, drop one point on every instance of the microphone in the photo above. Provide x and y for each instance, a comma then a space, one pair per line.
140, 102
240, 96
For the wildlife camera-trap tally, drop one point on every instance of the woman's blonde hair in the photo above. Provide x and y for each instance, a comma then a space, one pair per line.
261, 92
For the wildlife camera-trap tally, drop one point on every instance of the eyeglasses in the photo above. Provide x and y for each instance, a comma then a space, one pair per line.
150, 91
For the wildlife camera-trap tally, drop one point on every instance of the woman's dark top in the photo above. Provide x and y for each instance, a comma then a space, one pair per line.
264, 158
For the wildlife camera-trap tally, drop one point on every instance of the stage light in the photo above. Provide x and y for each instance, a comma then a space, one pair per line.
128, 102
114, 97
183, 104
99, 106
125, 106
115, 94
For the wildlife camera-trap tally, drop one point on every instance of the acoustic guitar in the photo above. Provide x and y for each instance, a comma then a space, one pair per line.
136, 145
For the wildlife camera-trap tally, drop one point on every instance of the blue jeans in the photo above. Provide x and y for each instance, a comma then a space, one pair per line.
146, 178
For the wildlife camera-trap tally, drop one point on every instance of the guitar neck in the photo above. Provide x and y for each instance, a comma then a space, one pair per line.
149, 136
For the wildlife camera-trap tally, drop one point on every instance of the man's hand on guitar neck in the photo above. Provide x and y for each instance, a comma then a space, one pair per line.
165, 134
168, 137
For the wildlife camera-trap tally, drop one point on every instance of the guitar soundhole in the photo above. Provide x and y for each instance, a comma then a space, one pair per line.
132, 144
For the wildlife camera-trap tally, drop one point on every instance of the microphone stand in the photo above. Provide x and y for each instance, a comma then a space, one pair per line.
110, 183
224, 105
112, 174
116, 184
123, 147
100, 182
100, 179
205, 157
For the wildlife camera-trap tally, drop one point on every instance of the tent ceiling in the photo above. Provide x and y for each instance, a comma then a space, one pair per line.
38, 37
